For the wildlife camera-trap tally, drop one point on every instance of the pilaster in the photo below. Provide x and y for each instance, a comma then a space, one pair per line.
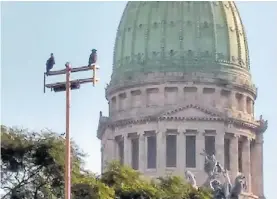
143, 97
161, 149
110, 150
200, 145
233, 101
142, 153
126, 150
244, 104
181, 152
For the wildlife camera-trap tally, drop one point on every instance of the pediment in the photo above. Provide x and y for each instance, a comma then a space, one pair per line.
190, 111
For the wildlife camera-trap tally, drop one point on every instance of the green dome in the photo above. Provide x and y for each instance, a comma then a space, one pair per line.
180, 36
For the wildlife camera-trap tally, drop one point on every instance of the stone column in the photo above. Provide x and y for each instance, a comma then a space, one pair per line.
142, 154
246, 169
234, 166
126, 150
257, 164
181, 152
117, 139
252, 167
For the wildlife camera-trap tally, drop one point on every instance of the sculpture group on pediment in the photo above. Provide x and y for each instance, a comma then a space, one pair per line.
222, 189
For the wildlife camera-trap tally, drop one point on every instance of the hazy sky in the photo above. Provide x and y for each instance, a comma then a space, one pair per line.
32, 30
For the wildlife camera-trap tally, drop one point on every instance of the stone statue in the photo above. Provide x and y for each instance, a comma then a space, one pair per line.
191, 179
211, 165
221, 190
218, 190
227, 186
225, 189
238, 187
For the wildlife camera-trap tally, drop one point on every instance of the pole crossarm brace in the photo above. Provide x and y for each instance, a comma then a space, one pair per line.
77, 81
77, 69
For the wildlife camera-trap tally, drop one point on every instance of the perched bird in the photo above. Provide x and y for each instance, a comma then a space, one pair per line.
50, 63
92, 57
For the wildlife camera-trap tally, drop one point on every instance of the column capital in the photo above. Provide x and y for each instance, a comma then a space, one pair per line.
118, 138
247, 139
234, 136
172, 131
133, 135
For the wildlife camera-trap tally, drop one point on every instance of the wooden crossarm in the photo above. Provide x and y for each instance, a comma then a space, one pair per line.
77, 69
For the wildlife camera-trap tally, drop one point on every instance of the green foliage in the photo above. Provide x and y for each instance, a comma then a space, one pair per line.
32, 167
32, 164
127, 182
88, 186
175, 187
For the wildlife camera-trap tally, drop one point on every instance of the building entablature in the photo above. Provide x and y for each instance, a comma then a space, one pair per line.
208, 115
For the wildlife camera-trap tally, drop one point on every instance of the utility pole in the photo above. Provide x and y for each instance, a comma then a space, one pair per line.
67, 86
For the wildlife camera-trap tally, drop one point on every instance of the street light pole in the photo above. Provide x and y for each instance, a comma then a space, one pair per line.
67, 176
67, 86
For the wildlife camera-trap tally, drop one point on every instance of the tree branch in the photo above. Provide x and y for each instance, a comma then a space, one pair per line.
22, 183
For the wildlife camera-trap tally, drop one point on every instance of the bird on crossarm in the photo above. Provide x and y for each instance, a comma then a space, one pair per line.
50, 63
93, 57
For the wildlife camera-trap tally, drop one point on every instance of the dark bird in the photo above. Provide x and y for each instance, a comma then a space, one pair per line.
50, 63
92, 57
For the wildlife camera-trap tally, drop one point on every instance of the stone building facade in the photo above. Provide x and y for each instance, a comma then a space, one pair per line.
181, 83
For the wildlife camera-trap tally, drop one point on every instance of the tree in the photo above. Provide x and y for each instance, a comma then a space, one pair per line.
174, 187
128, 183
32, 164
32, 167
89, 186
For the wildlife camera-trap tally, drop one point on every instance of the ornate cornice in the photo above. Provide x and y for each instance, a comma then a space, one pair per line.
212, 116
